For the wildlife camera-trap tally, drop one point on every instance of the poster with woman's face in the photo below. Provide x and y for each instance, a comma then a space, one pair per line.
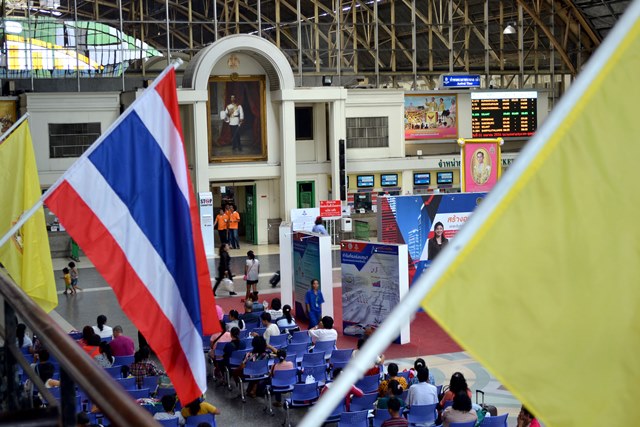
430, 116
480, 166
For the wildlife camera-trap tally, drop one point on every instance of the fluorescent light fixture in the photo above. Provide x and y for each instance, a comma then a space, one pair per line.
13, 27
509, 29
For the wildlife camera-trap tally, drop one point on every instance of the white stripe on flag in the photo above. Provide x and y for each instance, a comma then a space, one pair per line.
157, 120
89, 183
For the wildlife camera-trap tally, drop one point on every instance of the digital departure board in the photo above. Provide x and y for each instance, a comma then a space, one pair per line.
503, 114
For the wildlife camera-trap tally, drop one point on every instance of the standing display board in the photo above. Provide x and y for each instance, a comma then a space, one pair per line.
206, 222
374, 280
311, 260
411, 220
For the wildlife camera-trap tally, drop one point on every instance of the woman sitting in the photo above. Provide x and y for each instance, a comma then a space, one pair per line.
258, 352
287, 323
457, 384
235, 321
393, 390
460, 411
392, 371
282, 365
104, 358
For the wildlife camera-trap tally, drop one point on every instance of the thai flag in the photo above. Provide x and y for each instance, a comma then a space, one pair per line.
129, 203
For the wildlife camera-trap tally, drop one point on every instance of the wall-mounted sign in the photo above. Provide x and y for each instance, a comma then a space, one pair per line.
456, 81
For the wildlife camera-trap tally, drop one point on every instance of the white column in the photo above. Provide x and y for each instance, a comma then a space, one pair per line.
199, 125
288, 172
337, 131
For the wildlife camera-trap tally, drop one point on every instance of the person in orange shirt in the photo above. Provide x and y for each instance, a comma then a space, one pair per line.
221, 225
233, 221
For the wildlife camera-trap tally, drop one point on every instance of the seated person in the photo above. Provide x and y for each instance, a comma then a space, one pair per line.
460, 411
422, 393
375, 369
324, 331
393, 391
457, 383
169, 406
45, 369
526, 418
276, 309
413, 373
229, 348
281, 365
353, 391
271, 328
250, 317
234, 321
395, 410
142, 366
199, 407
287, 323
392, 371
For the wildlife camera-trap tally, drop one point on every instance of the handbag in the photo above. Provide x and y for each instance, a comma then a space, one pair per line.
227, 284
244, 277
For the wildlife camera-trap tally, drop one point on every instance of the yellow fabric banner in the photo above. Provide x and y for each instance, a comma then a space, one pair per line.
546, 295
26, 255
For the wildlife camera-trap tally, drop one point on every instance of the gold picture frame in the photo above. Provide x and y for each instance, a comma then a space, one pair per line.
237, 128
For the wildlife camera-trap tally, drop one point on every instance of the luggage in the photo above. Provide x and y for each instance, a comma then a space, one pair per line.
486, 409
275, 279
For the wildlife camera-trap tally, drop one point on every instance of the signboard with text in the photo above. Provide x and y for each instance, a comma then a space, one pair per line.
330, 209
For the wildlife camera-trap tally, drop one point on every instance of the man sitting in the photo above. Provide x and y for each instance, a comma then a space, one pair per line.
249, 317
396, 420
324, 330
169, 405
422, 393
121, 345
272, 328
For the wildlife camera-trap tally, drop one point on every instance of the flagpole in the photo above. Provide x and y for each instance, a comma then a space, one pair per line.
13, 127
390, 328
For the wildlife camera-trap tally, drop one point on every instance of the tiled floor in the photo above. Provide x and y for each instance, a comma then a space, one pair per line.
96, 298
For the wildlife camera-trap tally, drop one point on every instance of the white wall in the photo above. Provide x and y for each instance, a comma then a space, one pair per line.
46, 108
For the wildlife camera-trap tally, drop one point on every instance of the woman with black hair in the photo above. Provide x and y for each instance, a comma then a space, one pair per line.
101, 328
22, 338
460, 412
287, 323
235, 321
258, 352
437, 242
104, 358
281, 365
457, 384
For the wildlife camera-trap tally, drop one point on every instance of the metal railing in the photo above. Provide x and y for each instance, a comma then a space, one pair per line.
76, 367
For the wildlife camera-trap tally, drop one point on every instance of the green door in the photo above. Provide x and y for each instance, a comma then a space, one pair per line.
306, 194
250, 216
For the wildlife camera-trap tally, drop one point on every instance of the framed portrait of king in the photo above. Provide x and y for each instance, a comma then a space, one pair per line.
237, 118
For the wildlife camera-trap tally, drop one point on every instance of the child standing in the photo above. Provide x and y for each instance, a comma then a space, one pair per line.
67, 281
73, 271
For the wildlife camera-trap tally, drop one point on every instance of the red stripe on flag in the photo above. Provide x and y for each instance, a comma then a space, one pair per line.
134, 298
166, 88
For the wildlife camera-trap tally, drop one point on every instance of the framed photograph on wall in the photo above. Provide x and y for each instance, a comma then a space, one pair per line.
237, 118
430, 116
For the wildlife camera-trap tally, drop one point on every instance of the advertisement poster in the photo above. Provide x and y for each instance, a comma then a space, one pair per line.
306, 266
430, 116
304, 219
411, 220
374, 278
481, 164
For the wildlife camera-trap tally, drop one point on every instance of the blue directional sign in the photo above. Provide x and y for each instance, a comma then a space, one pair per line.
460, 80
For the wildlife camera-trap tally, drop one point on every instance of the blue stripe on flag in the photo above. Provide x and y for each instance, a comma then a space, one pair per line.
133, 164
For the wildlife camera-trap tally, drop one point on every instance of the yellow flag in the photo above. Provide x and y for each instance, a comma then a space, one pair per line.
26, 254
546, 293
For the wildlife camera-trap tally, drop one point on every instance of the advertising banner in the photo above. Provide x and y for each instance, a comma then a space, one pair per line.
311, 260
430, 116
411, 220
374, 279
206, 222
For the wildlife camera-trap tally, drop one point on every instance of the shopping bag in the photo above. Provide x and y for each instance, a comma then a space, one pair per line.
227, 284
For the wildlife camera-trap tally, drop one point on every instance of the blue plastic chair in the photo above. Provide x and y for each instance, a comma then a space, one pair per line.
206, 343
319, 373
380, 416
115, 371
173, 422
301, 395
235, 360
123, 360
297, 349
279, 341
466, 424
139, 394
300, 337
325, 347
150, 382
165, 391
364, 403
194, 420
334, 417
282, 382
497, 421
312, 359
340, 357
127, 383
260, 330
422, 414
369, 384
354, 419
405, 375
254, 371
